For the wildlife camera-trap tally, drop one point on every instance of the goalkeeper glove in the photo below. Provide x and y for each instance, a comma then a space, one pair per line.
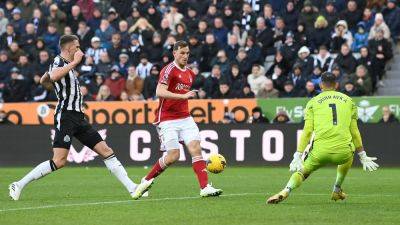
368, 162
297, 163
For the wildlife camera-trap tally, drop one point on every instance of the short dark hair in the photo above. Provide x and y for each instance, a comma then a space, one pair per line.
65, 39
328, 78
180, 44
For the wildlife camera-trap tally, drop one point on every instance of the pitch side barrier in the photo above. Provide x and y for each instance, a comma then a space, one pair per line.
138, 145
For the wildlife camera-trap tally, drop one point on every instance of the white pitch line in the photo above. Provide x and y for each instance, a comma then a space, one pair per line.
178, 198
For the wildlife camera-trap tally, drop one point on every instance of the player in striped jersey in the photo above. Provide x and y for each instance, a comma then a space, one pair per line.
69, 120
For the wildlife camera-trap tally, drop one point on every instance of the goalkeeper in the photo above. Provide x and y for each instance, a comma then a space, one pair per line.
332, 116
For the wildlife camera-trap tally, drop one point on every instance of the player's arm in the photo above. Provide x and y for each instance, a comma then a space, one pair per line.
46, 82
58, 73
162, 92
367, 162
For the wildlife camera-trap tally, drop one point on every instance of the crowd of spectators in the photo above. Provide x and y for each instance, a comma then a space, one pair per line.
239, 48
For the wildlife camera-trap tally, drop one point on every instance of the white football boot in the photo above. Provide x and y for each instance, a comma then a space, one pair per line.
15, 191
142, 188
210, 191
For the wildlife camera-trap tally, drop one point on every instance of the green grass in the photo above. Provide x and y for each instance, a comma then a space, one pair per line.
92, 196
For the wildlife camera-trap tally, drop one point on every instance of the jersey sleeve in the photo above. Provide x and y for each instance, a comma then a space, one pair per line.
309, 111
165, 76
308, 127
354, 111
56, 64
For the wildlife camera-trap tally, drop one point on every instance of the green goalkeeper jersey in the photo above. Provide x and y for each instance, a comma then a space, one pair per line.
330, 116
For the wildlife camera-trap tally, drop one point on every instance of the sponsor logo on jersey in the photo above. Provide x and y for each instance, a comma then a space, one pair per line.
181, 86
365, 111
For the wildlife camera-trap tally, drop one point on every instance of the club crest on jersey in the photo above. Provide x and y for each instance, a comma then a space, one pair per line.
182, 87
67, 138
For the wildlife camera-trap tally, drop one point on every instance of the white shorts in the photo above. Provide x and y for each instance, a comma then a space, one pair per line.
172, 132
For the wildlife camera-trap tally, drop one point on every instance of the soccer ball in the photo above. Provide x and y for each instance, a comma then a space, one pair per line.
216, 163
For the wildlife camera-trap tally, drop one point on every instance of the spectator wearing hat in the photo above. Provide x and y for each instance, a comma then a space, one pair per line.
257, 116
116, 47
321, 34
346, 60
263, 38
257, 78
349, 89
388, 116
305, 60
229, 16
379, 25
16, 90
105, 32
15, 52
341, 36
330, 13
281, 117
391, 14
3, 22
51, 38
150, 83
290, 15
95, 50
85, 34
311, 91
5, 66
381, 51
181, 33
246, 92
209, 51
362, 80
123, 63
115, 82
224, 91
308, 14
352, 15
135, 49
191, 20
323, 59
290, 48
195, 50
57, 17
211, 84
113, 17
144, 67
243, 62
288, 90
268, 90
236, 79
360, 38
122, 7
17, 21
8, 37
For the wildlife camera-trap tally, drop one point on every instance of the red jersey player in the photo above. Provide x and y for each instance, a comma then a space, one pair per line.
174, 122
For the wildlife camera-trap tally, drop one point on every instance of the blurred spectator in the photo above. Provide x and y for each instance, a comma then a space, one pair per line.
341, 36
368, 18
379, 25
195, 50
388, 116
115, 82
290, 16
51, 38
256, 79
290, 48
104, 32
345, 60
135, 49
95, 21
15, 52
365, 58
211, 84
156, 47
57, 17
220, 31
4, 118
263, 38
305, 61
17, 22
330, 13
323, 60
173, 17
95, 50
224, 91
25, 68
278, 78
144, 67
308, 14
243, 62
200, 33
350, 90
320, 36
362, 80
123, 63
310, 90
351, 15
360, 38
16, 88
85, 34
240, 33
268, 15
281, 117
268, 90
5, 66
297, 77
8, 37
315, 78
134, 84
85, 94
236, 78
104, 65
181, 33
95, 85
210, 50
39, 21
381, 51
150, 83
3, 21
74, 18
258, 116
248, 16
391, 14
246, 92
37, 92
104, 94
87, 7
253, 51
86, 70
222, 61
116, 47
289, 91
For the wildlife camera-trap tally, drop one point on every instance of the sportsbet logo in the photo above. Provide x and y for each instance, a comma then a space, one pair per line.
366, 111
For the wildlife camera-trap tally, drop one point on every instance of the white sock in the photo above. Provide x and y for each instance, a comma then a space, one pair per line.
38, 172
115, 167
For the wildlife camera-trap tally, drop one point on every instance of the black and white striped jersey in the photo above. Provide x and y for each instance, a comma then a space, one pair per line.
67, 89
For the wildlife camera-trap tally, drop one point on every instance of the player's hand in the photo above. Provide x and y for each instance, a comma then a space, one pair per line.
297, 163
368, 162
189, 94
78, 57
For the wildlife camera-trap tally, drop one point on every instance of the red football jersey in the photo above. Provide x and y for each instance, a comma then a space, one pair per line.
179, 81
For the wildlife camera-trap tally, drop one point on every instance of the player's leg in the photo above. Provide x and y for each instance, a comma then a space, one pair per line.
170, 143
92, 139
342, 170
311, 164
191, 136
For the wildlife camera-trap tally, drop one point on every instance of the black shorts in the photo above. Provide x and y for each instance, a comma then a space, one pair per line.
73, 124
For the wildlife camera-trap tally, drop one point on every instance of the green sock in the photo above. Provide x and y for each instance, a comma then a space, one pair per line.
295, 181
341, 173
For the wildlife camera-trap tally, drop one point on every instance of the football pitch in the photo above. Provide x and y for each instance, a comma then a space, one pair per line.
92, 195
